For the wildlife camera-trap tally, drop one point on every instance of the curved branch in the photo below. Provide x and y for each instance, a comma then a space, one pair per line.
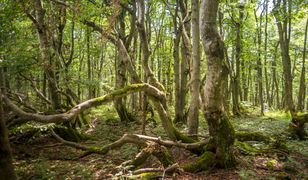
126, 138
57, 118
137, 139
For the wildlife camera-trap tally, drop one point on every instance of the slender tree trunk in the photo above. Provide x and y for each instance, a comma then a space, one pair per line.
236, 90
259, 62
267, 86
6, 163
275, 81
302, 86
220, 128
185, 58
176, 56
90, 87
193, 116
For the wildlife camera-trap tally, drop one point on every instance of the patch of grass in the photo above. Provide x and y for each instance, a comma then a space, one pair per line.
279, 115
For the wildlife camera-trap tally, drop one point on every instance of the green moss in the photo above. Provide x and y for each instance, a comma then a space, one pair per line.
245, 148
185, 139
272, 163
120, 91
181, 137
149, 176
164, 156
252, 136
206, 161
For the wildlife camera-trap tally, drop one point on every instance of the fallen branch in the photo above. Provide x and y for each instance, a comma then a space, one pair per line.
171, 169
168, 143
127, 138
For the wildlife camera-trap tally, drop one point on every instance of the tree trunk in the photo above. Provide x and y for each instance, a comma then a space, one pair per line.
46, 56
236, 83
267, 86
193, 114
121, 79
176, 56
185, 58
6, 162
259, 62
286, 61
221, 130
302, 86
284, 29
275, 81
89, 65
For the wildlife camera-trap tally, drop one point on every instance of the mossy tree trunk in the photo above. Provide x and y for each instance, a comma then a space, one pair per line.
121, 78
221, 131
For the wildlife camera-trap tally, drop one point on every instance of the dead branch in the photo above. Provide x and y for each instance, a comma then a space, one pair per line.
173, 168
126, 138
168, 143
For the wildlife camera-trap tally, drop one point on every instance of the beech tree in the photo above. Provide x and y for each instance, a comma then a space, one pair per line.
220, 128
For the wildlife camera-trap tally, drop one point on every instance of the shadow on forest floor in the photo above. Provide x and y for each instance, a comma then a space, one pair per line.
42, 157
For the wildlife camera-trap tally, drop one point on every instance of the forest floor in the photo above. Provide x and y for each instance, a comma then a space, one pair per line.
43, 157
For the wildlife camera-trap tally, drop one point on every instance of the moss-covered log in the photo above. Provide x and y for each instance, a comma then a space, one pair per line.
252, 136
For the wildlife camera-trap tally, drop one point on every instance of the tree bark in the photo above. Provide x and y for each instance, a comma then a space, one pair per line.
221, 130
193, 114
45, 50
176, 67
259, 62
302, 85
236, 81
275, 81
267, 86
121, 79
282, 25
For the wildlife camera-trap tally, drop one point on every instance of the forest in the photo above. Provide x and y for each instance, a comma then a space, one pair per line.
153, 89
